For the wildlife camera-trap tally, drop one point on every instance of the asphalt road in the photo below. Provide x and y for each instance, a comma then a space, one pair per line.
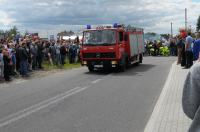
79, 101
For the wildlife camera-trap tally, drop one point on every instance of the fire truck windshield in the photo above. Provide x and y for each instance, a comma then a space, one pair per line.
99, 37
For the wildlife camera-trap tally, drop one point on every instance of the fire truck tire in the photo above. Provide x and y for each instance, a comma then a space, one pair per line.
122, 68
137, 64
140, 58
91, 68
128, 63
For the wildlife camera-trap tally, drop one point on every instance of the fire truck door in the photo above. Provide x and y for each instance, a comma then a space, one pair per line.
133, 44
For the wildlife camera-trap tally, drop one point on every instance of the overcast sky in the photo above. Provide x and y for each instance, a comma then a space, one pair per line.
47, 16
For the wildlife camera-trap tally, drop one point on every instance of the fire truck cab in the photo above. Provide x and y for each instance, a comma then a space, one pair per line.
112, 47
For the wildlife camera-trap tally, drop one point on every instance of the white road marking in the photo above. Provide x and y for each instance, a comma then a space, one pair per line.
35, 108
96, 81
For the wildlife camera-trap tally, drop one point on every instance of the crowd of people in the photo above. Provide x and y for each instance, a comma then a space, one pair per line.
186, 48
154, 47
26, 55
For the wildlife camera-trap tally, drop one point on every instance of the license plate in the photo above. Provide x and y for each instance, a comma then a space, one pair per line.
98, 66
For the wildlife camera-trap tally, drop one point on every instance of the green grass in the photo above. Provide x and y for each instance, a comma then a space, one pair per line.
49, 67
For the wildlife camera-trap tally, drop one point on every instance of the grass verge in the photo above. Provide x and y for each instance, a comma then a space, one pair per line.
49, 67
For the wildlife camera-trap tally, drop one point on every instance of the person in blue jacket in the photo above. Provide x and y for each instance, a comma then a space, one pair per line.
196, 47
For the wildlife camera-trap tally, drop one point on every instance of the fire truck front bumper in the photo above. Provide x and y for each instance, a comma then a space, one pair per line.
100, 63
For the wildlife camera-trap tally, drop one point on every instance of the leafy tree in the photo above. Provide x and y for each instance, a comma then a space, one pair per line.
151, 33
11, 33
198, 24
165, 36
1, 32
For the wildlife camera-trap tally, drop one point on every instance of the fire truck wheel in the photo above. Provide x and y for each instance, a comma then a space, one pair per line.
140, 58
91, 68
137, 64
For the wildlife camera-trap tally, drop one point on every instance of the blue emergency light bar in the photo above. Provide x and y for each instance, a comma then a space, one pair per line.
89, 26
115, 25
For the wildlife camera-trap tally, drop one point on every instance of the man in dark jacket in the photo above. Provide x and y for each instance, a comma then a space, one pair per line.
23, 57
63, 53
52, 51
17, 58
40, 54
7, 67
72, 53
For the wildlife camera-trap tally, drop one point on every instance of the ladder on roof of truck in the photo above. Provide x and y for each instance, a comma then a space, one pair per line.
130, 28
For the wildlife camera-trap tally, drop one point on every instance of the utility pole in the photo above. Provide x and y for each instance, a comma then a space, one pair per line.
186, 19
171, 30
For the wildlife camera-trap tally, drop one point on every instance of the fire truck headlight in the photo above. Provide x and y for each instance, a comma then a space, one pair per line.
113, 62
84, 62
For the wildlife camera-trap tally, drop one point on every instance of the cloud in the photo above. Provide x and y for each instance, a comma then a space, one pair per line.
152, 15
5, 20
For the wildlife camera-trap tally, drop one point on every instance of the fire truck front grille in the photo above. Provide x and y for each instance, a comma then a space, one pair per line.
99, 55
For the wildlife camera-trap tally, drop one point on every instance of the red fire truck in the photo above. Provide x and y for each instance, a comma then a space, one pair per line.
112, 47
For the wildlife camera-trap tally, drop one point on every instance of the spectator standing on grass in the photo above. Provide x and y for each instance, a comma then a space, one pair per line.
23, 57
58, 57
34, 51
11, 53
40, 54
13, 58
72, 53
188, 50
63, 53
17, 57
191, 97
47, 53
28, 49
52, 51
6, 60
196, 47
